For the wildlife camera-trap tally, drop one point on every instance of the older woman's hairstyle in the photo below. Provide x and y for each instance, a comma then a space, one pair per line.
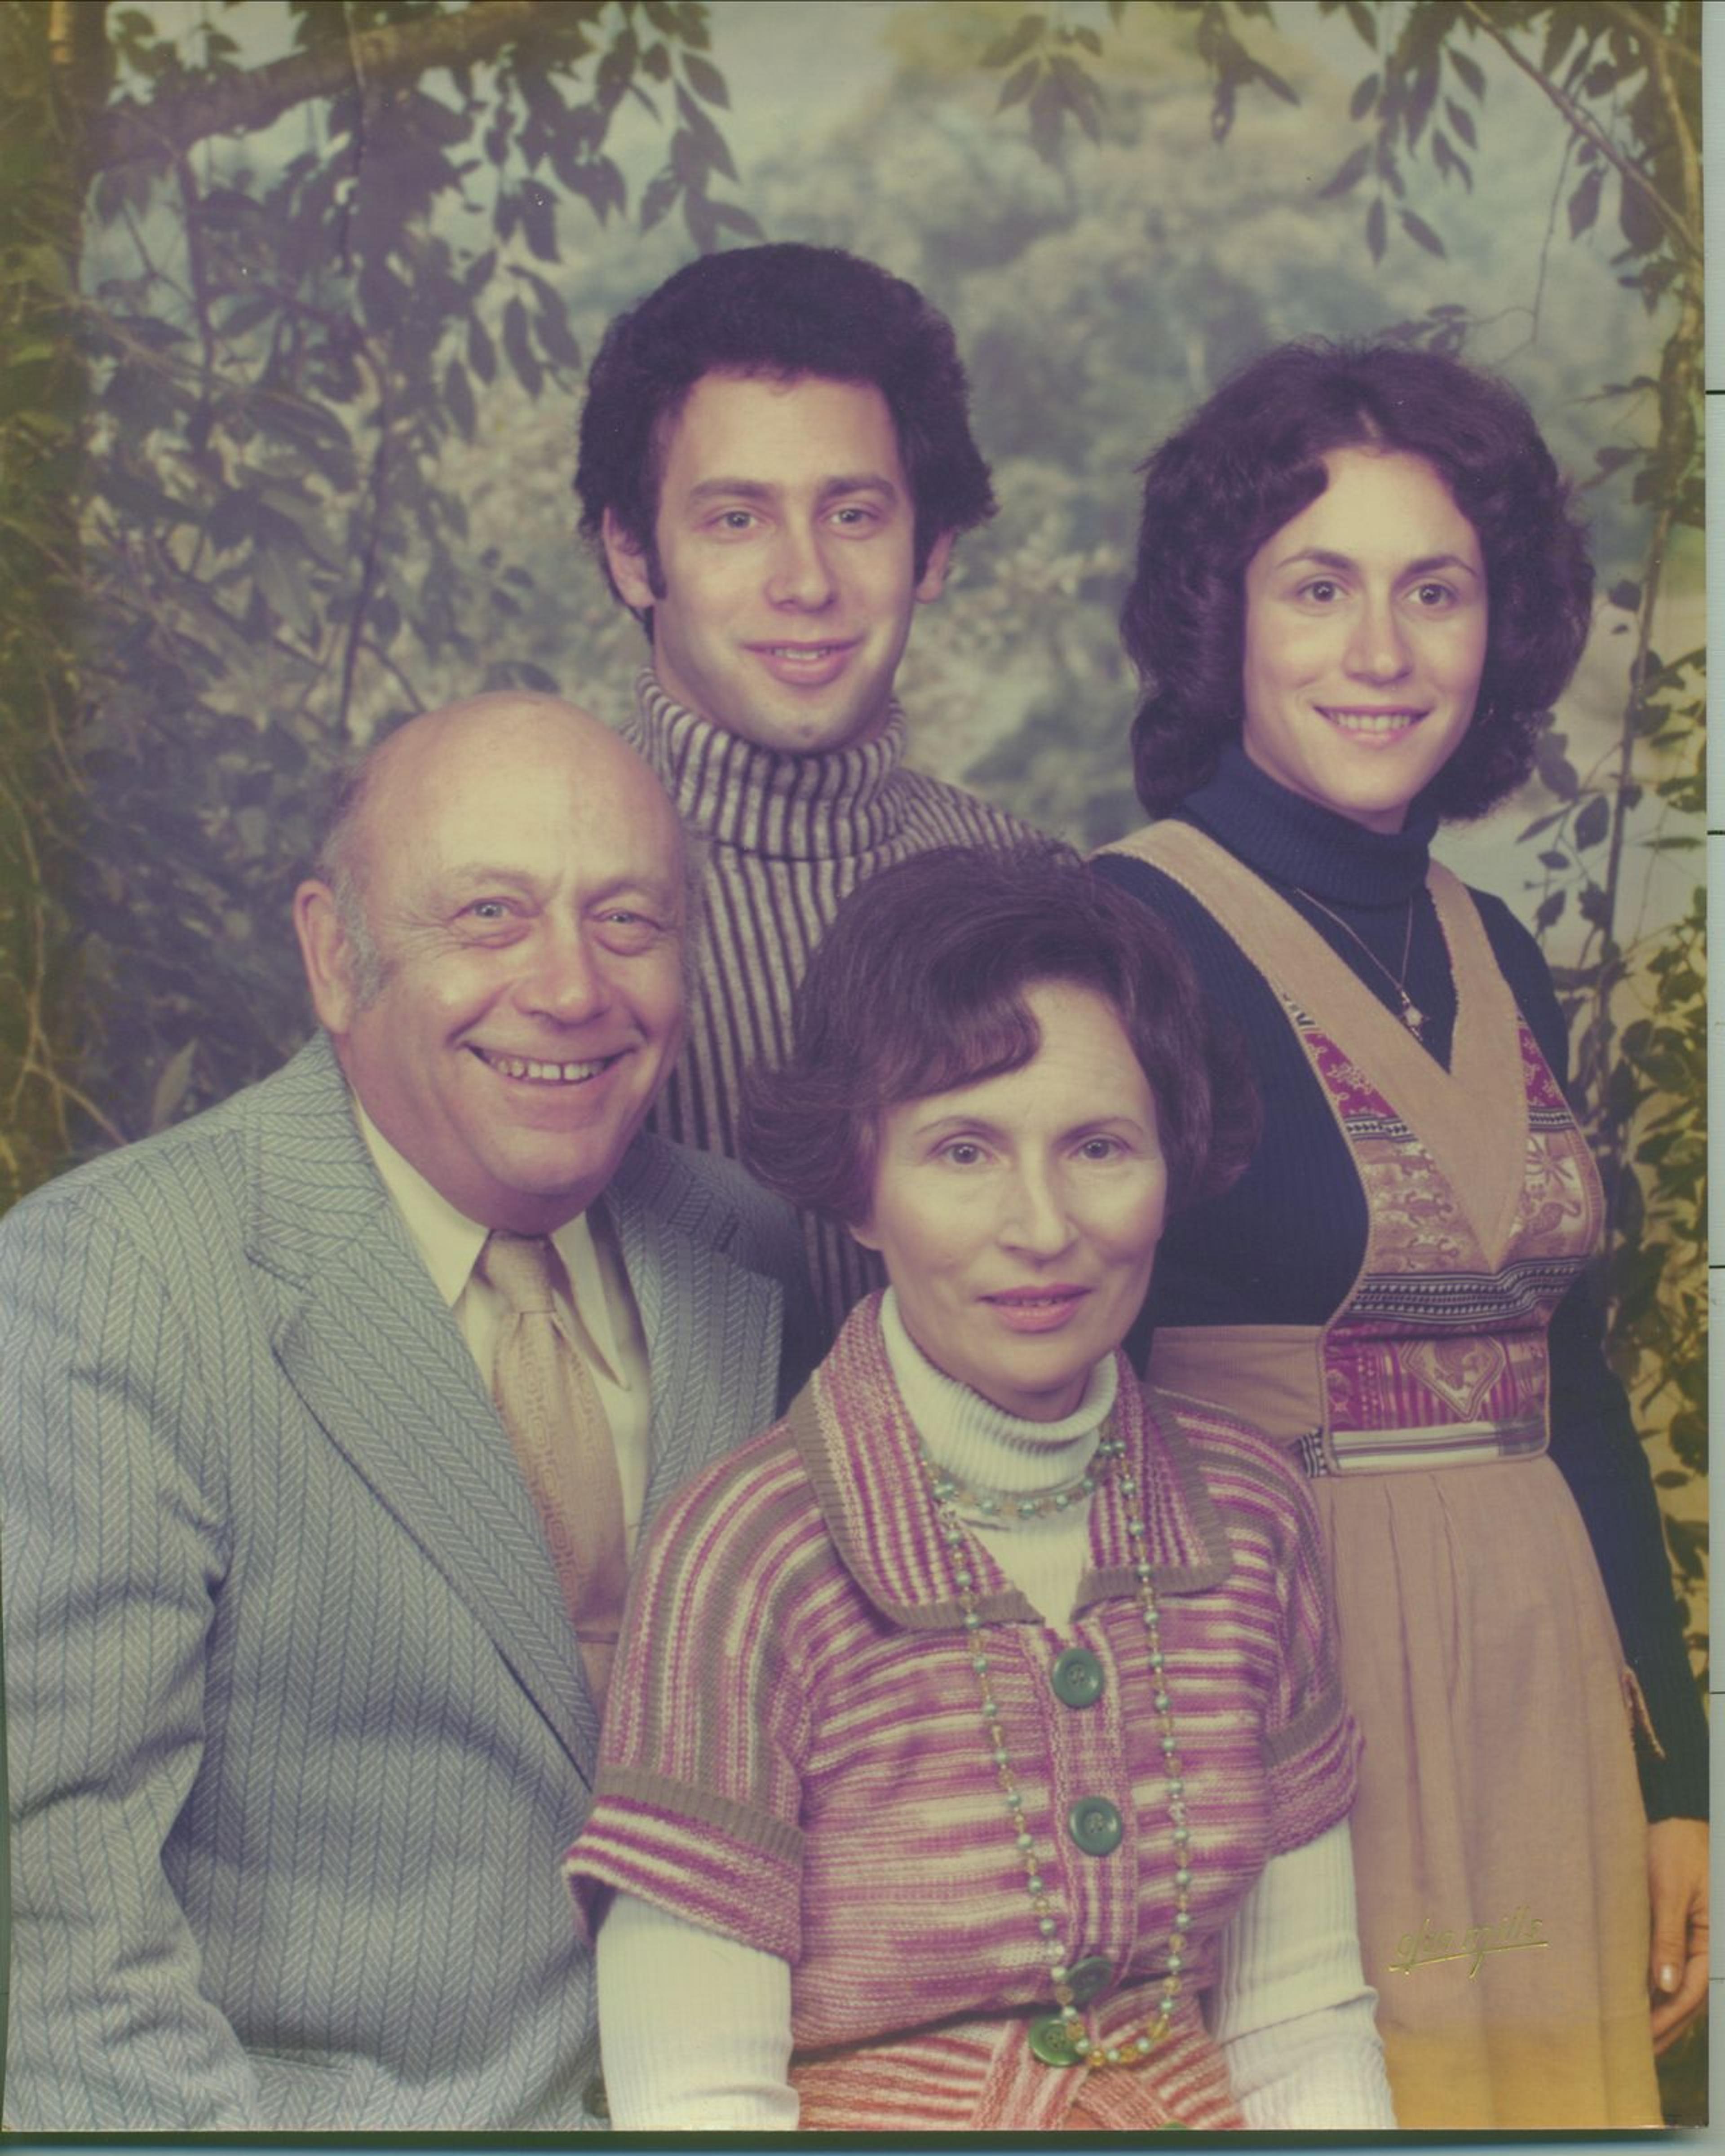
1252, 458
919, 986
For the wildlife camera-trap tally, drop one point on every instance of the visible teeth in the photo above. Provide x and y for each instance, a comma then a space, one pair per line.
803, 650
1371, 722
544, 1074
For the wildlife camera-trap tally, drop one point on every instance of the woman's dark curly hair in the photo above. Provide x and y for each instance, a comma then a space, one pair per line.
918, 988
782, 310
1252, 458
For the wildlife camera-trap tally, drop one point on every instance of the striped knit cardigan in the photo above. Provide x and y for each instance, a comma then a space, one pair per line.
794, 1755
787, 838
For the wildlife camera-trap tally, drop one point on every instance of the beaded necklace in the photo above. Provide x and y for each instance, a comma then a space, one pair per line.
1061, 2039
1029, 1505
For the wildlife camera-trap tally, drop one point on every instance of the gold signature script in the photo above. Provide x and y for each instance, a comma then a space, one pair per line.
1428, 1945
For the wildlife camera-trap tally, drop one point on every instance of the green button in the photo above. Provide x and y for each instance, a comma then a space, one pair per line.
1095, 1826
1051, 2041
593, 2098
1077, 1678
1089, 1977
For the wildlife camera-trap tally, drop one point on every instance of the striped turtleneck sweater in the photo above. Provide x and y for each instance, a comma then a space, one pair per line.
787, 838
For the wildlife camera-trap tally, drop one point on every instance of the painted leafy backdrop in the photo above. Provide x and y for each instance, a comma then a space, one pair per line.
294, 300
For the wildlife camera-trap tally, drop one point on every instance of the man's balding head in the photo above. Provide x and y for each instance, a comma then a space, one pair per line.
494, 941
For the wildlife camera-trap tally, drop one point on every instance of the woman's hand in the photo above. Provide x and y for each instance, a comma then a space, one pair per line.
1677, 1886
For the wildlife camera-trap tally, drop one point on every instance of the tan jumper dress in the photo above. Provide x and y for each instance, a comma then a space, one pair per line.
1499, 1836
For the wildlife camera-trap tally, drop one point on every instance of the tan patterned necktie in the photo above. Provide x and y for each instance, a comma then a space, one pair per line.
551, 1409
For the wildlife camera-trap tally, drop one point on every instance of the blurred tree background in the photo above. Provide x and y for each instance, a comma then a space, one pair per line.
295, 297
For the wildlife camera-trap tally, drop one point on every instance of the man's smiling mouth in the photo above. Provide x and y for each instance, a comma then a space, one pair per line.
816, 664
534, 1072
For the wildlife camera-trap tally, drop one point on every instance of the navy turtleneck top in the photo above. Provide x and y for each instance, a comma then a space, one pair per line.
1283, 1246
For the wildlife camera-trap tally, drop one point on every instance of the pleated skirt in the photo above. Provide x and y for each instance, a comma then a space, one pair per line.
1499, 1838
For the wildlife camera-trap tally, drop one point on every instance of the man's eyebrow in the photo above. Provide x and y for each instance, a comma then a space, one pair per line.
653, 887
756, 489
643, 879
466, 875
731, 490
858, 482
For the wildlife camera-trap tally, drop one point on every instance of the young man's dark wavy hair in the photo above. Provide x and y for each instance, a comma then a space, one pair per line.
781, 311
1252, 458
919, 986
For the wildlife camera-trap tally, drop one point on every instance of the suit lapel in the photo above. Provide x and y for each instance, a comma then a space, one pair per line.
365, 1340
712, 1327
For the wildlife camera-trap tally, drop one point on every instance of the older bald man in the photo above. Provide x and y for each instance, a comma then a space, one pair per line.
327, 1421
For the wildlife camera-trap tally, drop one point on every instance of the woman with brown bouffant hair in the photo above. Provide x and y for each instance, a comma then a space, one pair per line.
974, 1757
1359, 588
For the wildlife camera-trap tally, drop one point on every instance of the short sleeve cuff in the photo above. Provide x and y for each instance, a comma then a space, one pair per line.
713, 1862
1312, 1769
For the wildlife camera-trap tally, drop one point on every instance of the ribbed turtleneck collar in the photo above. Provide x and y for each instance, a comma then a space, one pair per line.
1292, 841
823, 807
982, 1443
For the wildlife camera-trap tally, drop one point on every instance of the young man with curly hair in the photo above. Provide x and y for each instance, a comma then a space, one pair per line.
775, 464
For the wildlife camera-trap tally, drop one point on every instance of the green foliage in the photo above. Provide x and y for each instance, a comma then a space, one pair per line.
235, 381
41, 419
1044, 69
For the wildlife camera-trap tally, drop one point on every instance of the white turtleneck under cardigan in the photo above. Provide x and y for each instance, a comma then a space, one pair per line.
696, 2028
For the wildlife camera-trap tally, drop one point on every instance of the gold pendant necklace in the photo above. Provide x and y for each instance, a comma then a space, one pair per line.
1411, 1017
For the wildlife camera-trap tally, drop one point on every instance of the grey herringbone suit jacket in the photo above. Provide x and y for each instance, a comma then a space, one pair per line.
296, 1726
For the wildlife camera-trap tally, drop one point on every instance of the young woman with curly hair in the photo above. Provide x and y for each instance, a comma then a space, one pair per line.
1359, 588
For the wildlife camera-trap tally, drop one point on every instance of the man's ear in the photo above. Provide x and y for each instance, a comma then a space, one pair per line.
328, 953
933, 581
627, 564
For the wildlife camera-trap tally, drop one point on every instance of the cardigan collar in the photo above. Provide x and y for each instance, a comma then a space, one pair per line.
860, 1451
1292, 841
827, 806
